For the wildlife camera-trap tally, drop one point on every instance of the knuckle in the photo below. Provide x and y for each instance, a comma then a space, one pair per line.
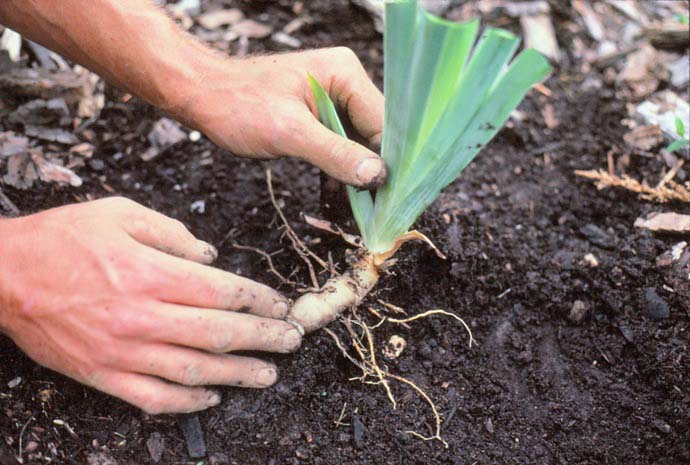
128, 323
339, 150
221, 340
287, 132
120, 202
345, 54
109, 355
192, 375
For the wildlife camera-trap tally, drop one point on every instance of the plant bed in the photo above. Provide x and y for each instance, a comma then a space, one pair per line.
542, 386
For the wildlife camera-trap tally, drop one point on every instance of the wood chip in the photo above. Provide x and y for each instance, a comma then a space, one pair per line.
540, 35
215, 19
665, 222
251, 29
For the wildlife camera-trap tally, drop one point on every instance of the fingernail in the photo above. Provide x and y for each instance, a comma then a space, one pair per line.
371, 172
298, 326
280, 309
209, 250
292, 339
213, 399
266, 376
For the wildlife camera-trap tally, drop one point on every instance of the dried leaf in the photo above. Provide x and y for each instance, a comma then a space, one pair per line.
51, 134
52, 172
21, 171
40, 112
12, 144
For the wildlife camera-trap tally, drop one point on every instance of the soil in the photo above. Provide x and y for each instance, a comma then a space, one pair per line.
540, 387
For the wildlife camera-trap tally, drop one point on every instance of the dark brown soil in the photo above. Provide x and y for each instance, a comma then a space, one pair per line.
516, 226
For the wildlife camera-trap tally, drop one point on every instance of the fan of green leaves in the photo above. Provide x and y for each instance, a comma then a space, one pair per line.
446, 97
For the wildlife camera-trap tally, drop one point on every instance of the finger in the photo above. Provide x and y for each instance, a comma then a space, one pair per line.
197, 368
360, 98
155, 396
339, 157
218, 331
188, 283
168, 235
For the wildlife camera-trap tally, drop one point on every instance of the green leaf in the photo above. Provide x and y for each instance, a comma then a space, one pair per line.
680, 127
677, 145
361, 202
446, 97
450, 100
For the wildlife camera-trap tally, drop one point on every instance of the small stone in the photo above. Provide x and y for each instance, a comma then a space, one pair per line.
302, 453
597, 236
191, 429
627, 333
198, 206
489, 425
578, 312
394, 347
344, 437
97, 164
194, 136
662, 426
219, 459
155, 445
655, 306
100, 458
166, 133
358, 430
591, 260
14, 382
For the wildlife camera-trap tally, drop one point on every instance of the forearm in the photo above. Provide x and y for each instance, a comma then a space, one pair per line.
131, 43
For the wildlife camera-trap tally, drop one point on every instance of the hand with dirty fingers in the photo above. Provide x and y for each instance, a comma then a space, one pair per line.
120, 298
263, 107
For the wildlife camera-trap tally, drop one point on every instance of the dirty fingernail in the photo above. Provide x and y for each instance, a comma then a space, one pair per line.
375, 169
292, 339
280, 309
213, 399
209, 250
371, 171
266, 376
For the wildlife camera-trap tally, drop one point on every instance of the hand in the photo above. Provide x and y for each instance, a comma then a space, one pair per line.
263, 107
118, 297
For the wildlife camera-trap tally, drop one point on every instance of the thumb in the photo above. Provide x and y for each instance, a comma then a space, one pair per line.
341, 158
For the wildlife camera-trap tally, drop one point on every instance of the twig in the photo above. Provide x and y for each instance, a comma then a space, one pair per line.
665, 193
339, 421
21, 439
671, 174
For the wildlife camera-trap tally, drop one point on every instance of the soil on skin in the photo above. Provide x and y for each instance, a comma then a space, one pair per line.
516, 227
